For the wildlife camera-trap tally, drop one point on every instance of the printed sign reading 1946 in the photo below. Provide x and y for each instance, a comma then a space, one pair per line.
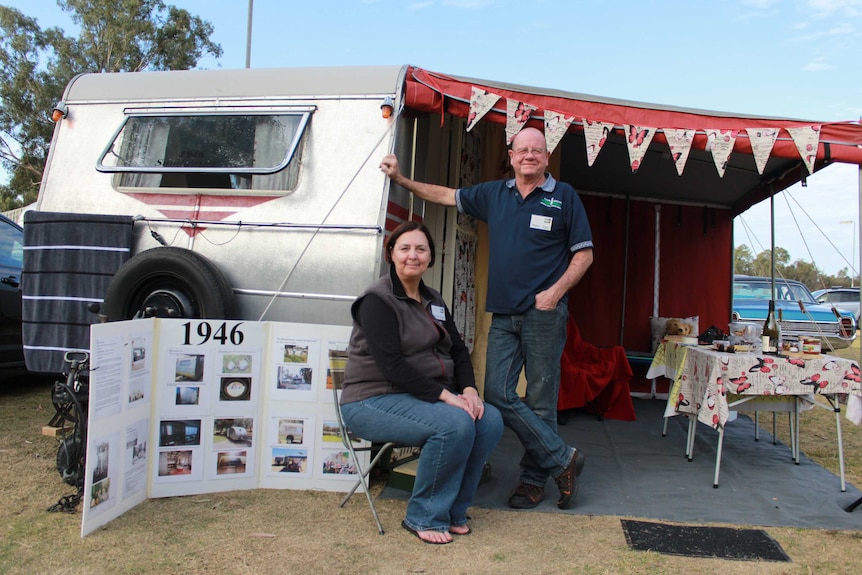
205, 332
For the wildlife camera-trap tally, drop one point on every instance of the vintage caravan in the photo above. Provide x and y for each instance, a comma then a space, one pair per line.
244, 194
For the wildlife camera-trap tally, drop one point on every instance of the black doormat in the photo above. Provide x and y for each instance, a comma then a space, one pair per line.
718, 542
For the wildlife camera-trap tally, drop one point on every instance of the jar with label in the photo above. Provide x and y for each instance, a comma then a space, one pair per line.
810, 346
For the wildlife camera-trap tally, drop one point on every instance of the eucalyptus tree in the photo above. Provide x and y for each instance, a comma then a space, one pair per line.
36, 64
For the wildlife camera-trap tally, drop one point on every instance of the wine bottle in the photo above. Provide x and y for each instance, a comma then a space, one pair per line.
771, 331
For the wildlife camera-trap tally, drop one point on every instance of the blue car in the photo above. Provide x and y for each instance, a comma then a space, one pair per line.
798, 312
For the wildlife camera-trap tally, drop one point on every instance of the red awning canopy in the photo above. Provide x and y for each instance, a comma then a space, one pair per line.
657, 179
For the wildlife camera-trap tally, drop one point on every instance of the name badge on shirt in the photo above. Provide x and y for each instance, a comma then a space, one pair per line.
538, 222
438, 312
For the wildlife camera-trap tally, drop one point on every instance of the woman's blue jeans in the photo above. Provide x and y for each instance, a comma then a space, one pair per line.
533, 340
454, 451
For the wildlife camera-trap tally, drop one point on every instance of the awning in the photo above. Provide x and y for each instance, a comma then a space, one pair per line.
735, 183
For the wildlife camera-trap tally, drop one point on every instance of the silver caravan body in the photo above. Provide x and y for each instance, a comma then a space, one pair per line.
270, 176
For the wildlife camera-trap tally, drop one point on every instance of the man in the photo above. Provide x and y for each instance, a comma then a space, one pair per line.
540, 247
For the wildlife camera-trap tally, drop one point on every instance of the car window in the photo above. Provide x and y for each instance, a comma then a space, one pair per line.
783, 291
11, 245
846, 296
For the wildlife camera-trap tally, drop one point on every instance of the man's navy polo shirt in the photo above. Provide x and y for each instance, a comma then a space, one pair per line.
530, 239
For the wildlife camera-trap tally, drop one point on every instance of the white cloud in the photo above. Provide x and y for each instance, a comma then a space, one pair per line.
817, 66
825, 8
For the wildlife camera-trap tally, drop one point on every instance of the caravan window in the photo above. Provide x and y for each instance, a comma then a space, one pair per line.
238, 151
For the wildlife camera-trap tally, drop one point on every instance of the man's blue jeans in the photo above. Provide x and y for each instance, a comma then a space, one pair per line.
533, 340
454, 451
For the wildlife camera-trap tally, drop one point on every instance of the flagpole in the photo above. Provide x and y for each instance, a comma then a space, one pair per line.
248, 35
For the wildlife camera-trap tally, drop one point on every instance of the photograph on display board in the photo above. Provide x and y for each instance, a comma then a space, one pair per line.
337, 363
337, 462
289, 460
139, 354
189, 368
233, 432
102, 467
331, 433
291, 431
231, 462
139, 387
295, 352
179, 432
294, 378
234, 388
136, 441
236, 363
175, 463
188, 395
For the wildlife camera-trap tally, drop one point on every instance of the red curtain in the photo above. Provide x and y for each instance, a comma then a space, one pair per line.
614, 301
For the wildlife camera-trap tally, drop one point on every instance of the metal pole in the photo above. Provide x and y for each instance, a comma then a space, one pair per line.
772, 240
248, 35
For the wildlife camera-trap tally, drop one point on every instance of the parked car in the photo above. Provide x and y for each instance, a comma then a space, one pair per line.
846, 298
11, 261
798, 311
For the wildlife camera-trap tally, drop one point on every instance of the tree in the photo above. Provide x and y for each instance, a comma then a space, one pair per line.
762, 264
743, 260
36, 65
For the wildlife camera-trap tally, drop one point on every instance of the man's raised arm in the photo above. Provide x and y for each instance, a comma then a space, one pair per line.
430, 192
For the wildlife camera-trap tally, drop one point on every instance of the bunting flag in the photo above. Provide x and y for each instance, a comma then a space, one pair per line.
556, 125
480, 102
679, 142
806, 138
595, 134
720, 143
762, 141
639, 138
517, 115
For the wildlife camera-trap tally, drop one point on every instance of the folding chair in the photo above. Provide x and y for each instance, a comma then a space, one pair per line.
363, 474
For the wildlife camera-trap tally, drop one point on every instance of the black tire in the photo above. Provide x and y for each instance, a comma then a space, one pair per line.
169, 282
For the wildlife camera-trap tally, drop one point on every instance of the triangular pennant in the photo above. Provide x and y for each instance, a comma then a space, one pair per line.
679, 142
480, 102
806, 138
762, 141
595, 134
720, 143
517, 115
638, 140
556, 125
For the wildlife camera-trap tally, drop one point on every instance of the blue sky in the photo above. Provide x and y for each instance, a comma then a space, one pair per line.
789, 58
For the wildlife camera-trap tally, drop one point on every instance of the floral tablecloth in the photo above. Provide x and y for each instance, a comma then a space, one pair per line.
703, 378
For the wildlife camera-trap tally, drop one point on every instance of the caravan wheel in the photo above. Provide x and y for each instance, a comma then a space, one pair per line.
169, 282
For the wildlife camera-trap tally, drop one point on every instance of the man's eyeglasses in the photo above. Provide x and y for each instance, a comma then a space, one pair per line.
525, 151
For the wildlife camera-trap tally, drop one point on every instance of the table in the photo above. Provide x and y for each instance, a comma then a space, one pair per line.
708, 385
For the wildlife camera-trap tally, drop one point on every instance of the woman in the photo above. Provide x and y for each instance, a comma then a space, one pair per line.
409, 379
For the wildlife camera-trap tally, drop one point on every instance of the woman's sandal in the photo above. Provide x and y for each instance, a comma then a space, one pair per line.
423, 540
467, 532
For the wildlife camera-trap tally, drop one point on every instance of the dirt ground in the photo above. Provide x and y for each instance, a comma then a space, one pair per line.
268, 531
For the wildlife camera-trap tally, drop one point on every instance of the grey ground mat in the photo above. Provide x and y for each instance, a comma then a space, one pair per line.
719, 542
632, 471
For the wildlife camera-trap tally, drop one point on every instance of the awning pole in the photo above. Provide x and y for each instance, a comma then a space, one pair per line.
625, 272
859, 261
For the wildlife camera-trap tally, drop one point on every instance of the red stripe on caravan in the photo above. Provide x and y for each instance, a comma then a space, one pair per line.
396, 210
392, 224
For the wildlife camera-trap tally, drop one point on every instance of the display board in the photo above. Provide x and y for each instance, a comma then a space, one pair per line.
182, 407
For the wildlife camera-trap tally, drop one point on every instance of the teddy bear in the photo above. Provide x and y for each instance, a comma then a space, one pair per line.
678, 327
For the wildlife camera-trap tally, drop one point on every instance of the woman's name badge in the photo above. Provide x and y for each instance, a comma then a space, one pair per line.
539, 222
438, 312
